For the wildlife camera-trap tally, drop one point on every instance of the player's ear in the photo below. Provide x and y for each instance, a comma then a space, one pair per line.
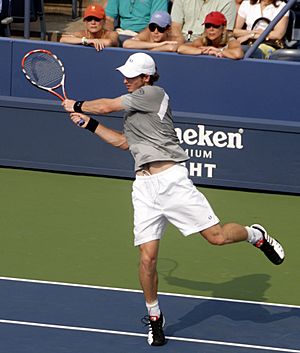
146, 78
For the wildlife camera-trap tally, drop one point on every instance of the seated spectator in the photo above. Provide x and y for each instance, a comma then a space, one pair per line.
215, 40
188, 16
238, 4
157, 36
95, 34
256, 14
129, 17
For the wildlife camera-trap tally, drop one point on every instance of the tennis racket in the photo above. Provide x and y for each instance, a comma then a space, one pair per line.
44, 70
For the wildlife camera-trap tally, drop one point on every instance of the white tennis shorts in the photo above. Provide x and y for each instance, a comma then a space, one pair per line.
169, 196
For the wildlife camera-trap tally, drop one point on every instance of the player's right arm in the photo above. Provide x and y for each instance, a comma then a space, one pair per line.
97, 106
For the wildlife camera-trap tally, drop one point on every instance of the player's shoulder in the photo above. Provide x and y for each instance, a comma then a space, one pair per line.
152, 90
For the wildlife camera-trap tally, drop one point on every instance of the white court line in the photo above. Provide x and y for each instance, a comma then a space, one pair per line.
135, 334
139, 291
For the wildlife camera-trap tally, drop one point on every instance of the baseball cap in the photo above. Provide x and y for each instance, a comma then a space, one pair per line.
215, 18
94, 10
137, 64
161, 18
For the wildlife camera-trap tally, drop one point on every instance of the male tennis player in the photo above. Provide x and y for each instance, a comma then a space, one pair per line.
162, 190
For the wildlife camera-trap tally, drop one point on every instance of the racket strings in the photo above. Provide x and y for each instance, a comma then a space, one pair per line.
44, 70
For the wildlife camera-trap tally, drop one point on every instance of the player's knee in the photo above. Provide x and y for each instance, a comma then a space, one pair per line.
214, 237
148, 262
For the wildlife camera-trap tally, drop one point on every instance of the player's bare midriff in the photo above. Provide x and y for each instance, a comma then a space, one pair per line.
155, 167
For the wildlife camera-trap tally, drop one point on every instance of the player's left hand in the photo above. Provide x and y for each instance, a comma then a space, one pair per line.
79, 119
68, 105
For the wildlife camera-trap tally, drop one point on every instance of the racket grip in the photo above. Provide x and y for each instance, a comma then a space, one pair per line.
81, 122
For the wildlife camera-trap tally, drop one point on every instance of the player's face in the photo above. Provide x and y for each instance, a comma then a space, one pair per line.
135, 83
94, 24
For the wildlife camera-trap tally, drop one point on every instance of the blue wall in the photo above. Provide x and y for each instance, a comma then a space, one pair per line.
245, 88
239, 120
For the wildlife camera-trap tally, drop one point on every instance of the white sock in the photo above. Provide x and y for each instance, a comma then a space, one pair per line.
153, 308
254, 235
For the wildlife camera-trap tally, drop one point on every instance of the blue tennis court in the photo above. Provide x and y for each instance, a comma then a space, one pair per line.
49, 317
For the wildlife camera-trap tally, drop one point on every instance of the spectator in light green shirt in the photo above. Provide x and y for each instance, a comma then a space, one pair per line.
188, 15
132, 16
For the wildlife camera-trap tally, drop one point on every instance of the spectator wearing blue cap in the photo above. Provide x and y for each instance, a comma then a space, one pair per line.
129, 17
158, 36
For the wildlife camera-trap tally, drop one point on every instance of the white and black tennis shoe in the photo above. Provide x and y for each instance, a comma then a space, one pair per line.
156, 336
269, 246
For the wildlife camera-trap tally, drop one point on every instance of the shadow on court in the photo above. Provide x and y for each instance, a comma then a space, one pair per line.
250, 287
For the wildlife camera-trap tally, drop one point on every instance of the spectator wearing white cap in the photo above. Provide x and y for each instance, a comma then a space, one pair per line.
158, 36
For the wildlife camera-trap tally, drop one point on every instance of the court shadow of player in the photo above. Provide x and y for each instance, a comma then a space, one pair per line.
250, 287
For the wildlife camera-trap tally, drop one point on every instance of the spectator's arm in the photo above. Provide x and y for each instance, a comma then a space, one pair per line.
71, 38
279, 30
176, 29
111, 39
109, 23
233, 50
229, 11
178, 37
193, 48
238, 31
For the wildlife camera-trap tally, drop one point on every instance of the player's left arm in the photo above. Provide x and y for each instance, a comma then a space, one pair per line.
113, 137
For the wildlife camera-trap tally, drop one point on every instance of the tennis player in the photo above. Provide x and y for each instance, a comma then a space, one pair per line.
162, 190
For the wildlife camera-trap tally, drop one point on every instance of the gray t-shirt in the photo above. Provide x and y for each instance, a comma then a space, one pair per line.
148, 127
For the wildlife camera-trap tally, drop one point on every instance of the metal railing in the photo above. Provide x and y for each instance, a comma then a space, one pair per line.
269, 28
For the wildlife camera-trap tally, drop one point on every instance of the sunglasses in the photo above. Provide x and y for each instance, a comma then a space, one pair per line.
154, 26
209, 25
91, 18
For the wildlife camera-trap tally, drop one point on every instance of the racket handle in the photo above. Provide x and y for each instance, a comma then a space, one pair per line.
81, 122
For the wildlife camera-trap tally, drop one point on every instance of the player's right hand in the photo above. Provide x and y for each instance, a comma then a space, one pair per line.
68, 105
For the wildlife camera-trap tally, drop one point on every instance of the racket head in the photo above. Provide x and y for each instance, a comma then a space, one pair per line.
44, 70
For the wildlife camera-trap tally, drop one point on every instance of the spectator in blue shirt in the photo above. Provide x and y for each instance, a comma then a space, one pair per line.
129, 17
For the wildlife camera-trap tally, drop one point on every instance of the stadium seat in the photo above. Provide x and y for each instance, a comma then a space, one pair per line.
36, 13
5, 18
286, 55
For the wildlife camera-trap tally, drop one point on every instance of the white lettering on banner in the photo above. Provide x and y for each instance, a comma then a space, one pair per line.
201, 169
201, 136
199, 153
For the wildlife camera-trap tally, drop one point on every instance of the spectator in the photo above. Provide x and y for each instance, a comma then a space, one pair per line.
188, 16
95, 34
256, 14
129, 17
157, 36
215, 40
238, 4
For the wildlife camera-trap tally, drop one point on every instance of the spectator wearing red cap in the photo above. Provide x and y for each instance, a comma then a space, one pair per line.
95, 33
188, 15
158, 36
215, 40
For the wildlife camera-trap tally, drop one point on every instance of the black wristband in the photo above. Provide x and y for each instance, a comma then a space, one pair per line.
77, 106
92, 125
